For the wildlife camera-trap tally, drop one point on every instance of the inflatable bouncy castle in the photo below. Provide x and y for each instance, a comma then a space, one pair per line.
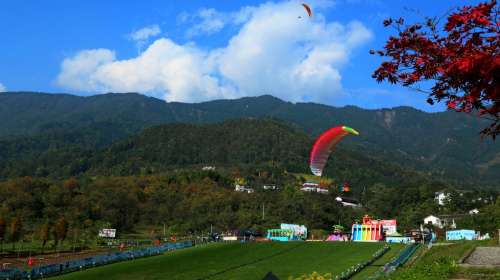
288, 232
372, 230
338, 234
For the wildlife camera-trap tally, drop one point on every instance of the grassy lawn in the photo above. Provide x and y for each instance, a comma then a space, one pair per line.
439, 263
477, 274
375, 267
239, 261
313, 178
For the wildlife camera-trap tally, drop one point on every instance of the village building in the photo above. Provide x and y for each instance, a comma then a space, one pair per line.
441, 198
242, 188
314, 187
474, 211
208, 168
433, 220
442, 221
322, 189
269, 187
349, 202
309, 187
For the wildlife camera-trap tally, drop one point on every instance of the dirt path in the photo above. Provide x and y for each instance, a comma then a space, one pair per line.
49, 258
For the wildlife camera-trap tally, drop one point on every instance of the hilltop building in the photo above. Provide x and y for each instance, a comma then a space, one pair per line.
322, 189
349, 202
208, 168
270, 187
314, 187
474, 211
242, 188
442, 198
309, 187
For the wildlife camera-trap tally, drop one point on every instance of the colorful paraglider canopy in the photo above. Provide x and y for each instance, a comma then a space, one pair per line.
324, 145
308, 9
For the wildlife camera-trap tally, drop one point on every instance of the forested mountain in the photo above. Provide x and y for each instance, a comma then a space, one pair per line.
167, 183
444, 145
240, 143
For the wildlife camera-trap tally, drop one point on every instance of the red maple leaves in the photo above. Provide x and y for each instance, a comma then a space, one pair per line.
462, 60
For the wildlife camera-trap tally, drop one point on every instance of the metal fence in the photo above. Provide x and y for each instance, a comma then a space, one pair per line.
400, 260
349, 273
98, 260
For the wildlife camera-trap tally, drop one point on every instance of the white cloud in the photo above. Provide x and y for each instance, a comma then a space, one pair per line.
145, 33
141, 36
209, 21
2, 88
274, 51
165, 69
294, 59
323, 3
79, 72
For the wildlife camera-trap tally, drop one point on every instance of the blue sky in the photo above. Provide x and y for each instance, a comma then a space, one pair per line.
201, 50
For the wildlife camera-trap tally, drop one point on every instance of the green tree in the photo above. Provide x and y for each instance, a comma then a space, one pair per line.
71, 184
61, 230
44, 234
3, 226
16, 228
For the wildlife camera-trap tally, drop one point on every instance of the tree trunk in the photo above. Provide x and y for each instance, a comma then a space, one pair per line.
43, 245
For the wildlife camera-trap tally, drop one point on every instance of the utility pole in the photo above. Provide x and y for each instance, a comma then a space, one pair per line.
263, 212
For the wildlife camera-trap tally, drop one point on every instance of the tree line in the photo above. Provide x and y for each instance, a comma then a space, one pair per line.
192, 202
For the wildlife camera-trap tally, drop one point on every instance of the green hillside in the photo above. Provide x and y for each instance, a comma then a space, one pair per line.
247, 144
444, 145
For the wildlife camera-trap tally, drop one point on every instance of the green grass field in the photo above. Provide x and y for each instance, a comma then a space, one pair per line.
439, 263
239, 261
375, 266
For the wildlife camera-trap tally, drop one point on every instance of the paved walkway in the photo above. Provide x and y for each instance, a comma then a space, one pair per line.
484, 256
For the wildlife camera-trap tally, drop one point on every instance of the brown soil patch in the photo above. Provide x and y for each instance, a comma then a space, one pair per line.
49, 258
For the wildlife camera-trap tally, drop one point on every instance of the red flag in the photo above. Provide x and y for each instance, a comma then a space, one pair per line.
346, 187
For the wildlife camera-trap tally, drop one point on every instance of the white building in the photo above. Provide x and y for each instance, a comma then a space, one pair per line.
314, 187
433, 220
474, 211
208, 168
309, 187
269, 187
453, 224
323, 190
348, 201
241, 188
442, 198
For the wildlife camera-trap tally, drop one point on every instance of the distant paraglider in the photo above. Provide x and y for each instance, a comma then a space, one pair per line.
308, 10
324, 145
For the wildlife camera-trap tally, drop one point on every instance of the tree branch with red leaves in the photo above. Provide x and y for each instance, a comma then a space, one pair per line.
462, 60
